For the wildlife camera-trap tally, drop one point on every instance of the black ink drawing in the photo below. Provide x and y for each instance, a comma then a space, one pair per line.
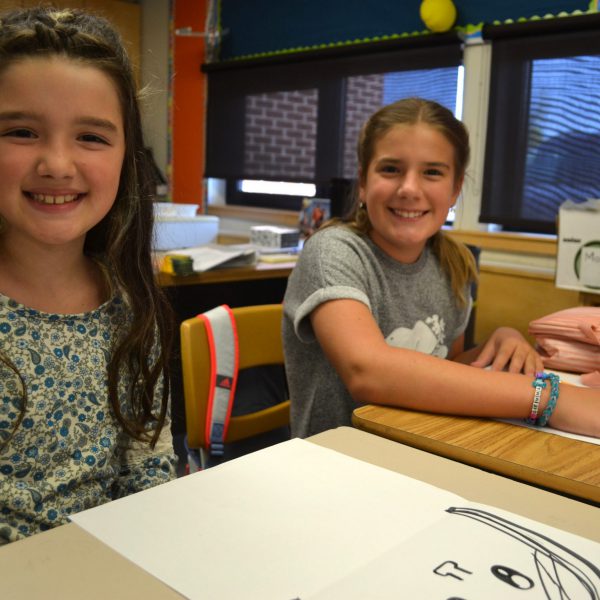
563, 574
449, 568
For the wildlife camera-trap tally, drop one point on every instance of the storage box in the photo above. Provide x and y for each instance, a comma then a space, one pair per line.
578, 260
184, 232
267, 236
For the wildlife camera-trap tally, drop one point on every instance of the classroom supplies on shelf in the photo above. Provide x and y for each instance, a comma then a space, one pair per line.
314, 212
177, 264
268, 236
210, 256
279, 257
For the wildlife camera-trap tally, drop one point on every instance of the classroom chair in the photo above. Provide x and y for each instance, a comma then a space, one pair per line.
260, 344
470, 341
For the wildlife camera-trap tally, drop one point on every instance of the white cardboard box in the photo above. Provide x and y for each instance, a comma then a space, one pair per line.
578, 259
267, 236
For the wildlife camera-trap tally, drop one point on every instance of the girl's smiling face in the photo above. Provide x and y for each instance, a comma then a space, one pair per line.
409, 188
62, 145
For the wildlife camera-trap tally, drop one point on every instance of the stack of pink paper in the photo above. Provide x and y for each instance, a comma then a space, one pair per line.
569, 340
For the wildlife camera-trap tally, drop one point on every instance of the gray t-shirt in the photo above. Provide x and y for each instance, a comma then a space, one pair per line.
413, 304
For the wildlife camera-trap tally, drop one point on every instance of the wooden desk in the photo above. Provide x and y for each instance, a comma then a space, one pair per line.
551, 461
233, 274
67, 563
35, 568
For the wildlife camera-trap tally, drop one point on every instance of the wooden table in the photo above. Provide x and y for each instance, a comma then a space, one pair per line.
67, 563
554, 462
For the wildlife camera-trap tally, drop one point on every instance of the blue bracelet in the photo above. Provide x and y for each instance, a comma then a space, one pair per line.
554, 391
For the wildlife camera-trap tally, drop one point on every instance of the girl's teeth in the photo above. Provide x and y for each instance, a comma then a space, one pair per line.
408, 214
46, 199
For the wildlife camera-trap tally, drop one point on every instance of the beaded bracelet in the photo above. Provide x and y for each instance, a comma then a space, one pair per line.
554, 391
539, 384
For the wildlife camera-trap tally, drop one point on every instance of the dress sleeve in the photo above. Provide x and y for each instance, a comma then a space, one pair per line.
142, 467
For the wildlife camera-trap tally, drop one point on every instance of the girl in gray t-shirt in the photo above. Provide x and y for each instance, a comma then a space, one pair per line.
376, 308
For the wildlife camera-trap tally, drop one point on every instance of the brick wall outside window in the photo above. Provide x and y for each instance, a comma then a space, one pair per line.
363, 97
281, 134
281, 129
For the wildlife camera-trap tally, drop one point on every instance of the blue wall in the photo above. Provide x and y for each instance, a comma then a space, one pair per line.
257, 27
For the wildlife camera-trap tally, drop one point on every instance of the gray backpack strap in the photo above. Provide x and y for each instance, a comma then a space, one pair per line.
223, 344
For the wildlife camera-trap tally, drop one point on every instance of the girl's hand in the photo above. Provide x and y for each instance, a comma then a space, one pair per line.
508, 349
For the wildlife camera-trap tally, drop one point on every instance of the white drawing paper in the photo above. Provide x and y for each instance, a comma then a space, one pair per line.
295, 520
473, 553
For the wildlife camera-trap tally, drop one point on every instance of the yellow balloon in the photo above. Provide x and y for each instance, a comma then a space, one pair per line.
438, 15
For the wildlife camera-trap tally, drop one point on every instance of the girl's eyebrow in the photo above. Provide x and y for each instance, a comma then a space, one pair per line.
391, 159
438, 164
16, 115
97, 122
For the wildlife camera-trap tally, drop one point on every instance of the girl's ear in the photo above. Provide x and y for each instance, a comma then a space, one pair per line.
457, 188
361, 186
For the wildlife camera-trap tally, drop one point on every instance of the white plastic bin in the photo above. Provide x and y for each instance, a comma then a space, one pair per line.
174, 209
171, 233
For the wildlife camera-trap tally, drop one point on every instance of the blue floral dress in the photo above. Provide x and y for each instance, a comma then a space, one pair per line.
69, 452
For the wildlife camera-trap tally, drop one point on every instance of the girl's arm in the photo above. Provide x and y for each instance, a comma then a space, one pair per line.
376, 373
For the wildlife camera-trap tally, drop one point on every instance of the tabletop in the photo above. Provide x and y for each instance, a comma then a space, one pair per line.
555, 462
35, 567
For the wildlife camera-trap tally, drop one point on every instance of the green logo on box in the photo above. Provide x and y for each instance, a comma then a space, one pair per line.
587, 264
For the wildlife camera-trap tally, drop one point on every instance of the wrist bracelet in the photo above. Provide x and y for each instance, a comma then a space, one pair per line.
539, 384
554, 391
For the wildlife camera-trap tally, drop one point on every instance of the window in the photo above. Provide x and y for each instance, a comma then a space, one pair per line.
296, 119
366, 93
543, 137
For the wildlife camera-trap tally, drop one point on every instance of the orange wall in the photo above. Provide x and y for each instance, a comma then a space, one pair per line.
187, 110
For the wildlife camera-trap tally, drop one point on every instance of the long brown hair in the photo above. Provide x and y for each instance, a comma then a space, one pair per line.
121, 242
455, 258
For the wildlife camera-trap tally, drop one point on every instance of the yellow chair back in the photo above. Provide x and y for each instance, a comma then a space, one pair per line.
259, 343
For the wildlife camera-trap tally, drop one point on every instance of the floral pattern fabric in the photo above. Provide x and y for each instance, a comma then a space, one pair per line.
69, 453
